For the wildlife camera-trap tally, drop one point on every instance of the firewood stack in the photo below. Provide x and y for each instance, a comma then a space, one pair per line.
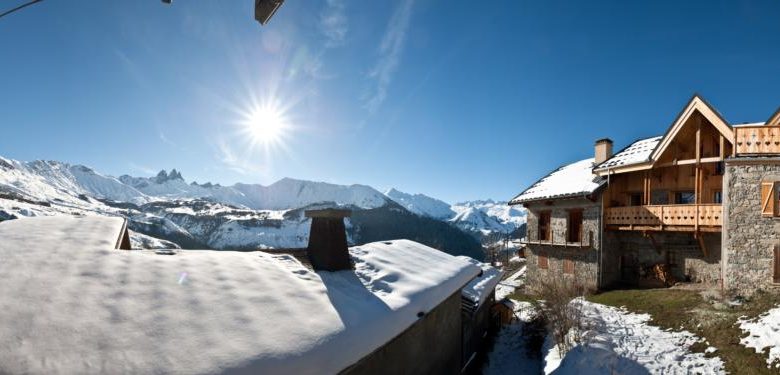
661, 272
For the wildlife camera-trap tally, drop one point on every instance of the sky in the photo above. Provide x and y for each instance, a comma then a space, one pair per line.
459, 100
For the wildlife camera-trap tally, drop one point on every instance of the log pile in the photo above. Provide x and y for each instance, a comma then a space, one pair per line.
660, 272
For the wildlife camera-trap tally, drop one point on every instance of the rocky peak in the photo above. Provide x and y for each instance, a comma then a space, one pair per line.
164, 176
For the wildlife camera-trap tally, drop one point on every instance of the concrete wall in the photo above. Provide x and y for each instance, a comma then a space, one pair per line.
431, 346
748, 238
585, 259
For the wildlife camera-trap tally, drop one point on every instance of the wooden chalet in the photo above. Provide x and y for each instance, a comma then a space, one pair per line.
691, 200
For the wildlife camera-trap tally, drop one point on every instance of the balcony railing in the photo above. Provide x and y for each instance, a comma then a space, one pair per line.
690, 216
757, 140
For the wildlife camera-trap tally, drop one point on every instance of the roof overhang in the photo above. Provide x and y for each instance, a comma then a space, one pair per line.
774, 120
697, 103
624, 168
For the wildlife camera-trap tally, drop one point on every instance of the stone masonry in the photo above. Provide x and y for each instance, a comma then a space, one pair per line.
585, 259
748, 237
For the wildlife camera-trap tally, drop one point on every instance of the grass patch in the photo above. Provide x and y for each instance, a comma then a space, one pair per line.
711, 320
522, 296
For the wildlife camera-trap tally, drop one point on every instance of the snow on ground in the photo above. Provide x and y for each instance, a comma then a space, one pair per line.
510, 354
507, 286
763, 332
622, 342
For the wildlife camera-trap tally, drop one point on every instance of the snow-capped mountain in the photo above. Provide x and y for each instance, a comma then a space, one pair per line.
242, 216
422, 204
481, 217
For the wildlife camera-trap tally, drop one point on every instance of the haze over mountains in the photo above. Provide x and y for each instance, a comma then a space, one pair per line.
245, 216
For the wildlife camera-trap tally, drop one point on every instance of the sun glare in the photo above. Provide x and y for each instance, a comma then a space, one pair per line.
266, 125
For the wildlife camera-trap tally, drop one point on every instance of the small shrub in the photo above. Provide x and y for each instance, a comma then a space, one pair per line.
562, 310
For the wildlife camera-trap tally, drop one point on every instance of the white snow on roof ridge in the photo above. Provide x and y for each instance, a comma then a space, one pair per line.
760, 123
140, 312
637, 152
479, 289
569, 180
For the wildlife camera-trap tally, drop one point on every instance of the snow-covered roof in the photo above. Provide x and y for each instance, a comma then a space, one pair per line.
636, 152
70, 303
479, 289
749, 124
567, 181
69, 232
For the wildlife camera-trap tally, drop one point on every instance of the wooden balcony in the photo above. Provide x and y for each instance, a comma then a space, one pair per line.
757, 140
677, 217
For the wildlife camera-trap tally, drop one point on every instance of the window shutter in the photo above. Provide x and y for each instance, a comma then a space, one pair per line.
767, 199
777, 264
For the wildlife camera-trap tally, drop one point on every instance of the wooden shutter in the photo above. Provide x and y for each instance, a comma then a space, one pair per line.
768, 199
568, 266
777, 264
541, 261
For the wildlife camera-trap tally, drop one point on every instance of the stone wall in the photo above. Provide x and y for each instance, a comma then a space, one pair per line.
748, 237
585, 259
681, 249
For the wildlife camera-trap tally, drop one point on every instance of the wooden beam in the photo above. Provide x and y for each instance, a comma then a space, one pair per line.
722, 147
664, 228
673, 163
654, 243
703, 245
698, 141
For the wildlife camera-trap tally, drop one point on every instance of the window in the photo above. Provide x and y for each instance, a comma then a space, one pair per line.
544, 226
574, 230
635, 199
717, 196
684, 197
768, 199
659, 197
568, 266
542, 262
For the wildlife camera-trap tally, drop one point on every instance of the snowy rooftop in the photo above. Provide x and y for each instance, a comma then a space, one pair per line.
636, 152
479, 289
567, 181
70, 303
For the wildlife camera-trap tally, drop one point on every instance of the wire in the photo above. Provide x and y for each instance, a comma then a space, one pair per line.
19, 7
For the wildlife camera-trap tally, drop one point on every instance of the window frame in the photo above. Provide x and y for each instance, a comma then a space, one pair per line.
581, 213
547, 229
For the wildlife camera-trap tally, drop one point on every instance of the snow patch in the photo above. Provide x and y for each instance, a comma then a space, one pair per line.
763, 332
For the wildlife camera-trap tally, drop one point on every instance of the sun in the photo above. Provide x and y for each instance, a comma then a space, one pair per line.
266, 125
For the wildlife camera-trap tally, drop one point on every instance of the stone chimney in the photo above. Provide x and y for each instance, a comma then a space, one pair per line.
327, 248
603, 150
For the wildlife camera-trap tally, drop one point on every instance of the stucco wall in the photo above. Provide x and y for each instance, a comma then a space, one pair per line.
748, 237
430, 346
585, 259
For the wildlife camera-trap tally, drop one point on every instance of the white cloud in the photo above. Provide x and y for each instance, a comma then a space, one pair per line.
234, 161
333, 23
389, 54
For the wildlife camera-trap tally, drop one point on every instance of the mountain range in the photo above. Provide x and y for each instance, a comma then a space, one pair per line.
167, 211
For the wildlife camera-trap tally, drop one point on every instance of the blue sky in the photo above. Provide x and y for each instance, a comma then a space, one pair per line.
436, 97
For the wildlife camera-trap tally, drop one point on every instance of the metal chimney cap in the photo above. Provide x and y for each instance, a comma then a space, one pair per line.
328, 213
